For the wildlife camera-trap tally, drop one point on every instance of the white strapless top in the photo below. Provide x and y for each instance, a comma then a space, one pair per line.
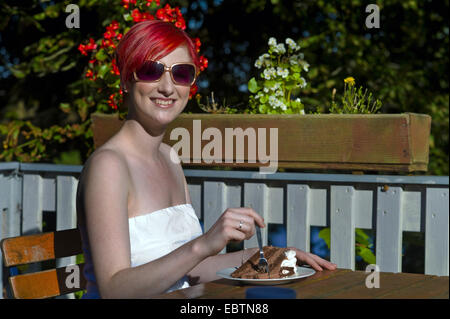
152, 236
156, 234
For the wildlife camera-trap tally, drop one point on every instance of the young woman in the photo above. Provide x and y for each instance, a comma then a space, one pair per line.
140, 234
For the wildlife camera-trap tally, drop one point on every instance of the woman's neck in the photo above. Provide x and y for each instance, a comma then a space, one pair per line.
141, 140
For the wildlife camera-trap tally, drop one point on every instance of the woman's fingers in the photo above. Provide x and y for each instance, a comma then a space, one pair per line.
314, 261
243, 219
242, 223
235, 224
248, 214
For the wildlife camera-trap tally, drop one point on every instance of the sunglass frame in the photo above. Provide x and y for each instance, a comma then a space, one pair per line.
169, 69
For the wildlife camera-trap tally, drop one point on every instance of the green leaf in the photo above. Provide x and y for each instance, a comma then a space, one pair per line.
367, 255
325, 234
253, 85
17, 73
127, 17
65, 107
40, 16
103, 70
361, 237
52, 11
101, 55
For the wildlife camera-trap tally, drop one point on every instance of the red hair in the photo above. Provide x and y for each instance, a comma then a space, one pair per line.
152, 39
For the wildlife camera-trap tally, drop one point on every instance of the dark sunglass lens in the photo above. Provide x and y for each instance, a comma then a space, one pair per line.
150, 71
183, 74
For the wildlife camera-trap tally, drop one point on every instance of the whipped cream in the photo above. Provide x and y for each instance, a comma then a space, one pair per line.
290, 261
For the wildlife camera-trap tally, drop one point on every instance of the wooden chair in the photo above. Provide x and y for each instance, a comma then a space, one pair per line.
29, 249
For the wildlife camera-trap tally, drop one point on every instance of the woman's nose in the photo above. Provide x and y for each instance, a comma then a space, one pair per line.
166, 85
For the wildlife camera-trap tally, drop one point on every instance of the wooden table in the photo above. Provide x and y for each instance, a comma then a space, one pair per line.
340, 283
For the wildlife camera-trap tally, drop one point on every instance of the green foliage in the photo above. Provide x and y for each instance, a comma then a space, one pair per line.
79, 260
214, 107
404, 62
354, 101
363, 246
48, 56
281, 70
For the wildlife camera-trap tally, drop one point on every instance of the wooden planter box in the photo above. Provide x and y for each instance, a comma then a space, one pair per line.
380, 142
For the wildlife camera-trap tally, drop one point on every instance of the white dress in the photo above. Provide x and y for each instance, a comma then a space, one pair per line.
152, 236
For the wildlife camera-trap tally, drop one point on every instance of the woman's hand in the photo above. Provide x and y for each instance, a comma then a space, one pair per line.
313, 260
235, 224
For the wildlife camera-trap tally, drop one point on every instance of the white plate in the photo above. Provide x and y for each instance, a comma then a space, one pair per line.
302, 272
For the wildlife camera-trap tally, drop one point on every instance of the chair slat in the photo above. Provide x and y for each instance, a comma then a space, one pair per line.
35, 248
47, 283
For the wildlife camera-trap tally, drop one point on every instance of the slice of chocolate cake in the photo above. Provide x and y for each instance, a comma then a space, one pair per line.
282, 263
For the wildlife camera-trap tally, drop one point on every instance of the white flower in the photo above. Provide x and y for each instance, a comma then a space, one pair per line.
302, 83
282, 72
269, 73
263, 60
280, 48
291, 43
279, 93
306, 66
273, 100
272, 42
276, 103
298, 100
276, 86
302, 111
293, 60
266, 90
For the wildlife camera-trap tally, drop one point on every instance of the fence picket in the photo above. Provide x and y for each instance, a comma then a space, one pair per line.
32, 204
298, 216
389, 229
214, 203
195, 193
342, 219
256, 197
437, 231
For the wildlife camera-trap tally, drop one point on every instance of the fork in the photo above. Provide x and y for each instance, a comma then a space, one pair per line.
262, 264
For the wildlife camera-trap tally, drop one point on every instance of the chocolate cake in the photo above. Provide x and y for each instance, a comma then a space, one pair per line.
275, 256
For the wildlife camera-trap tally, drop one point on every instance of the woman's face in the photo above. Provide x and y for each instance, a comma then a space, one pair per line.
163, 100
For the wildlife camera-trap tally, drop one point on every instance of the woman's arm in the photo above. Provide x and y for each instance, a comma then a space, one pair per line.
206, 270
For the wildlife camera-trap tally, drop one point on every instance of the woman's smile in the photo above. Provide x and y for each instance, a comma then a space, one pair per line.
163, 102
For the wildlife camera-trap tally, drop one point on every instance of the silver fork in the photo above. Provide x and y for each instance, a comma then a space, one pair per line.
263, 264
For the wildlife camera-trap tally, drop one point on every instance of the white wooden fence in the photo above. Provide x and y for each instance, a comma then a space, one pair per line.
388, 204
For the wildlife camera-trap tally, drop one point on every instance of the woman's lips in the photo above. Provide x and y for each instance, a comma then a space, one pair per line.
163, 103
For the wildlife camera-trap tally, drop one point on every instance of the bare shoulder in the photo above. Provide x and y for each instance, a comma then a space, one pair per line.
105, 164
104, 179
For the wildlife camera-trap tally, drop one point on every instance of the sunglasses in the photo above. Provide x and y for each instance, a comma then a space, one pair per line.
181, 73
